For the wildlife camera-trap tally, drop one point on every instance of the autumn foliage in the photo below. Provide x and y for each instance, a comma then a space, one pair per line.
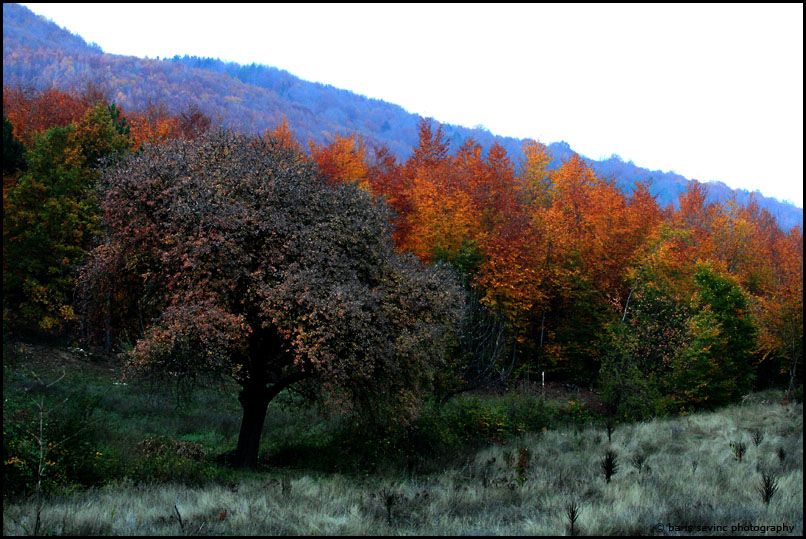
561, 252
574, 277
246, 264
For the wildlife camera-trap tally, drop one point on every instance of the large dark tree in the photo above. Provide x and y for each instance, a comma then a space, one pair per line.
237, 259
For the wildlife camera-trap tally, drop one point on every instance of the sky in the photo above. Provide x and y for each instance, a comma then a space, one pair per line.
712, 92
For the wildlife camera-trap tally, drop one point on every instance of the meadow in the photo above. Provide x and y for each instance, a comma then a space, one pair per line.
156, 471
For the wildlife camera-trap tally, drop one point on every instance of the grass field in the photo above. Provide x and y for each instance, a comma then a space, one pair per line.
689, 476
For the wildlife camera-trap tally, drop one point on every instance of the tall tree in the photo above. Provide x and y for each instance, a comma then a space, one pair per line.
715, 366
343, 160
249, 265
535, 179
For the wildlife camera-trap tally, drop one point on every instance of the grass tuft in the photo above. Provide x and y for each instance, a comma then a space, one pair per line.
739, 449
609, 464
768, 487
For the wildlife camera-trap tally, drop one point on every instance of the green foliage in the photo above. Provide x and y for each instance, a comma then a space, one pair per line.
51, 220
640, 349
485, 352
529, 413
476, 420
579, 415
467, 259
628, 392
667, 356
164, 459
71, 450
101, 134
13, 150
440, 434
715, 368
119, 121
577, 326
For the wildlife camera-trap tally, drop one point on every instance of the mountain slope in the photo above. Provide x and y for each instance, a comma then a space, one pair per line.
37, 53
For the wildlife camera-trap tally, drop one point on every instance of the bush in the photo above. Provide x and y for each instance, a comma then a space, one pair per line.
68, 446
440, 434
478, 421
165, 459
578, 414
529, 413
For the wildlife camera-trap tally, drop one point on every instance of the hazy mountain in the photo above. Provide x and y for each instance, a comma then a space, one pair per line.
250, 98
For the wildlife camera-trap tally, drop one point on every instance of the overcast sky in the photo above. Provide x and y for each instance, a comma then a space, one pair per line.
713, 92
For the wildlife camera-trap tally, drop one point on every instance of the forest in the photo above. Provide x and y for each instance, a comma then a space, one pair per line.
38, 54
396, 296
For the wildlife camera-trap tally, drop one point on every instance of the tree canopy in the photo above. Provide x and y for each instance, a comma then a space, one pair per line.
239, 259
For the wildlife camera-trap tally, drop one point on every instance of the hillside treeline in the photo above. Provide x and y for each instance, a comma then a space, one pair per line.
664, 309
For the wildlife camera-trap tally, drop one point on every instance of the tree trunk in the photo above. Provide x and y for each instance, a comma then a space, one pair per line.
255, 399
254, 402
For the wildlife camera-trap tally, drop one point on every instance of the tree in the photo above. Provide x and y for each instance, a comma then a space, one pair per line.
51, 219
715, 367
640, 349
282, 135
153, 124
535, 179
13, 150
31, 113
193, 122
244, 262
781, 313
343, 160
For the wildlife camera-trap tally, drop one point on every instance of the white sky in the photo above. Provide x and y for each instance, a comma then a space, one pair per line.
713, 92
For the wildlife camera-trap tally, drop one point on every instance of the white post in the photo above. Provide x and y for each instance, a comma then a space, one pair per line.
543, 383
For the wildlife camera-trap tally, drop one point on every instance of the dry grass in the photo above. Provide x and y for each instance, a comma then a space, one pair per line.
483, 496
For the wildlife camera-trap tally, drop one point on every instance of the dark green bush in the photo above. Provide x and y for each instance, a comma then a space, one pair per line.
529, 413
440, 434
163, 459
53, 437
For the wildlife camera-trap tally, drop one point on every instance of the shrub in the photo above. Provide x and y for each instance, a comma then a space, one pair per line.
578, 414
768, 487
528, 413
609, 465
572, 514
739, 449
53, 437
164, 459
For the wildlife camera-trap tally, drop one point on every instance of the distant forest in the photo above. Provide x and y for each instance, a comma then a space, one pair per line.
39, 55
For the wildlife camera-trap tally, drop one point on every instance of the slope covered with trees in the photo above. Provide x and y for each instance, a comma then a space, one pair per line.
250, 99
412, 297
564, 272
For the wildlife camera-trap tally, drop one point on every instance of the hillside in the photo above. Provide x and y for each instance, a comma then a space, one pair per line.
39, 54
